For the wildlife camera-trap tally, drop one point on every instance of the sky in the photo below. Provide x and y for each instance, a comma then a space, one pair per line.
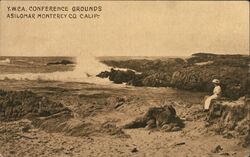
160, 28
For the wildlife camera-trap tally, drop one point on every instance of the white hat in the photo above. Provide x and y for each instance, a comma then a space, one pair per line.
216, 81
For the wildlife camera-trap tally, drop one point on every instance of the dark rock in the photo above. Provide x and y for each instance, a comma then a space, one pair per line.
230, 119
234, 60
62, 62
42, 112
158, 117
104, 74
12, 152
232, 70
137, 81
17, 105
155, 73
118, 76
160, 79
234, 80
225, 154
217, 149
134, 150
151, 124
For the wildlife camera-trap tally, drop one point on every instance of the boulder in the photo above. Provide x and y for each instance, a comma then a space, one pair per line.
230, 118
121, 76
118, 76
164, 118
103, 74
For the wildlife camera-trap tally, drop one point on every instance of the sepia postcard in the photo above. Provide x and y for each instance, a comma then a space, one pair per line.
124, 78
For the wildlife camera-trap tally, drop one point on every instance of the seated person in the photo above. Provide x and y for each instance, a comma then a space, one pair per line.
216, 94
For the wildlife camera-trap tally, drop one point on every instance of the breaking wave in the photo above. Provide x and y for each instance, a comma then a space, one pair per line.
5, 61
85, 71
69, 76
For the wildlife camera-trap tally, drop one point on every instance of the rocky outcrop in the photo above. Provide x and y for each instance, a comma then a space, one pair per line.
160, 79
231, 118
144, 65
62, 62
194, 73
17, 105
234, 60
52, 116
234, 80
164, 118
43, 113
104, 74
118, 76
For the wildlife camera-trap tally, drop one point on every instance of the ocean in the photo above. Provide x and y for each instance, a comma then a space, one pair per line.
68, 69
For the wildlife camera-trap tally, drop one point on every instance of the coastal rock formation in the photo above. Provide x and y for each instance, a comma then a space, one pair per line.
164, 118
42, 112
194, 73
161, 79
17, 105
103, 74
234, 80
118, 76
145, 65
231, 118
231, 70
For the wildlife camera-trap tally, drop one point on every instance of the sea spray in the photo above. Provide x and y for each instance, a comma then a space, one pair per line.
86, 69
89, 65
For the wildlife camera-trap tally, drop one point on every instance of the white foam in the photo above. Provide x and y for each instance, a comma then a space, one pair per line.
5, 61
69, 76
86, 70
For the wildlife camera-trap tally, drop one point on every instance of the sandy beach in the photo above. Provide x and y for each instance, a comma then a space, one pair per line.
96, 106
